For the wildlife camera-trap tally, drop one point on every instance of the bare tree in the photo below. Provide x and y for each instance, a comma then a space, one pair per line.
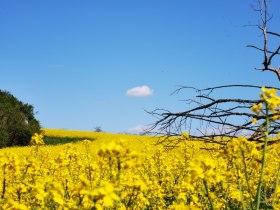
217, 120
268, 55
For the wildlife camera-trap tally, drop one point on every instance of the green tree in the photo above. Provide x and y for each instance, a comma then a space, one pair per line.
17, 121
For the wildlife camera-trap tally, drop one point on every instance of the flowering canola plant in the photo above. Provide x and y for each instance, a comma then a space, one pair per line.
130, 172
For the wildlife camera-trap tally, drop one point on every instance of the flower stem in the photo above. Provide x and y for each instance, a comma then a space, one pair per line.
258, 196
207, 194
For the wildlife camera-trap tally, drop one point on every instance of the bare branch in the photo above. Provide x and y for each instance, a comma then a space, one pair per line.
268, 55
215, 120
221, 87
274, 70
252, 46
273, 54
273, 33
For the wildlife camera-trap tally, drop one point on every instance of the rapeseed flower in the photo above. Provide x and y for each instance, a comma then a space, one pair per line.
37, 139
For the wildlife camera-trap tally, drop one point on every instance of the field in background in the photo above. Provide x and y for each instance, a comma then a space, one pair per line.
75, 135
56, 138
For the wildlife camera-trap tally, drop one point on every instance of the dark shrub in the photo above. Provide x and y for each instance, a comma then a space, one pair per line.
17, 121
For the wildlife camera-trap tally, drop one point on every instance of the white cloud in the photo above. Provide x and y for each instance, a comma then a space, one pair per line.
138, 129
140, 91
221, 130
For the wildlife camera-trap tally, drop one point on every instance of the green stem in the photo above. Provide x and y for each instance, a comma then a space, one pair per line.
119, 174
247, 179
258, 196
118, 181
110, 169
207, 194
240, 187
276, 184
4, 182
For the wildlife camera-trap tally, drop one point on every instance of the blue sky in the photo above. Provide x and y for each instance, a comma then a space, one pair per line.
77, 61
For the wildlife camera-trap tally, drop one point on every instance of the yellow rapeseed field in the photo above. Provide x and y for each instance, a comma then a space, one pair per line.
117, 171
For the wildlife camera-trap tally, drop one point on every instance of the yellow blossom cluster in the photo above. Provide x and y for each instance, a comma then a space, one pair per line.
271, 101
37, 139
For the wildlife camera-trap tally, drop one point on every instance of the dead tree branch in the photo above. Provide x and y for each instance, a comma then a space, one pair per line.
215, 120
268, 55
